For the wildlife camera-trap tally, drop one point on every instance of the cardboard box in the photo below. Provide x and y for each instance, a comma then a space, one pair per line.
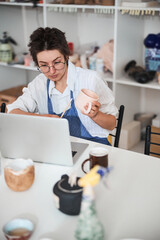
156, 121
79, 1
108, 2
6, 99
130, 135
10, 95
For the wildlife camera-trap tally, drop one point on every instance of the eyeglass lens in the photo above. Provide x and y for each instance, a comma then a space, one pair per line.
57, 66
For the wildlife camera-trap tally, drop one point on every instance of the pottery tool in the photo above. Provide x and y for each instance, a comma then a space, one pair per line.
72, 179
66, 108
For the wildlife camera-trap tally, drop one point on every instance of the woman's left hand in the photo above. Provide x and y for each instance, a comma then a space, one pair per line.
94, 109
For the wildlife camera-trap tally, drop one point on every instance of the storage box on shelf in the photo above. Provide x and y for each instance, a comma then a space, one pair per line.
108, 2
156, 121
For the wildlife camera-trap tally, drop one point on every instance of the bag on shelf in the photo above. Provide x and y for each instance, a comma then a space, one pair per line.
152, 59
106, 53
152, 52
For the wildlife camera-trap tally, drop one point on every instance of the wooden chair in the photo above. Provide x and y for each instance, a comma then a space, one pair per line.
117, 130
3, 107
152, 141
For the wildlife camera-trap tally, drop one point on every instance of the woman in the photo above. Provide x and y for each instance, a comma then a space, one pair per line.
50, 92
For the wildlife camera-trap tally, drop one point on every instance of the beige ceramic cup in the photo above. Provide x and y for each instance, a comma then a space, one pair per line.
85, 97
19, 174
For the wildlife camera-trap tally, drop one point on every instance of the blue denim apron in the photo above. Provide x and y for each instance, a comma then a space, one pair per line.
76, 128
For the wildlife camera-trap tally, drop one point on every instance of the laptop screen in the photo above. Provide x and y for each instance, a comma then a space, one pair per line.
41, 139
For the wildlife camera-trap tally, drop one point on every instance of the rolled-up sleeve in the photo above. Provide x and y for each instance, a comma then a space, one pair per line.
106, 97
26, 102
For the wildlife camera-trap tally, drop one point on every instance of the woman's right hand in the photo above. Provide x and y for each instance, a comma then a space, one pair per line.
50, 115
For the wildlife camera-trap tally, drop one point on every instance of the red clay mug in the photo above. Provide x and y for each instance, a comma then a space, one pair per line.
97, 156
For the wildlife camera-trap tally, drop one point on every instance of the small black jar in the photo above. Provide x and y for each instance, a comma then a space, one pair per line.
67, 198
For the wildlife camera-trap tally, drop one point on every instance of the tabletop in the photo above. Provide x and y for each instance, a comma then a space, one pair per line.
127, 200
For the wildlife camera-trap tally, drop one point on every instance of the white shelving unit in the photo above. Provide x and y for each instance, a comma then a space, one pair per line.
88, 24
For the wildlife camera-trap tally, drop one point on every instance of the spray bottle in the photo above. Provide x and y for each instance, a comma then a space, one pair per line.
6, 52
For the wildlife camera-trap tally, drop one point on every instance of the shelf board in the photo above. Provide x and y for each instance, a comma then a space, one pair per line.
29, 4
18, 66
157, 8
70, 8
128, 81
80, 6
137, 4
83, 8
108, 77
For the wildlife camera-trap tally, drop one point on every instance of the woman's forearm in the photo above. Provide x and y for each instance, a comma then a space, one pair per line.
18, 111
104, 120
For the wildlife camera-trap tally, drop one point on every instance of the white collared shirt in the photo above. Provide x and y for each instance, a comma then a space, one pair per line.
34, 98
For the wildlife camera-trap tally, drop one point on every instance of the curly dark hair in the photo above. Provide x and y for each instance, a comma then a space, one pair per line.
48, 39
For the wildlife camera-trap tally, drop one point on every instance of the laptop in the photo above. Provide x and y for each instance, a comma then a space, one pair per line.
42, 139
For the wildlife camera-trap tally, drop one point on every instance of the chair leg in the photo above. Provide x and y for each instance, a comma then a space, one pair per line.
147, 140
3, 107
119, 125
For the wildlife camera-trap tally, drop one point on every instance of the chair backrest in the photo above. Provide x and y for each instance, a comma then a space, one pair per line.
3, 107
117, 133
152, 141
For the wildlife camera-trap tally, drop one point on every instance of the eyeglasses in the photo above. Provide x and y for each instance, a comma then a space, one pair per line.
56, 65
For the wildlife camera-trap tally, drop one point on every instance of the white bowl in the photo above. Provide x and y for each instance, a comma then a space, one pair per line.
18, 228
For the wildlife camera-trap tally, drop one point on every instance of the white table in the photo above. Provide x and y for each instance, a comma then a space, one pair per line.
128, 207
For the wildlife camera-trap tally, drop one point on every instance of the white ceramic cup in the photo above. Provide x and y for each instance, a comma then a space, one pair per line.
85, 97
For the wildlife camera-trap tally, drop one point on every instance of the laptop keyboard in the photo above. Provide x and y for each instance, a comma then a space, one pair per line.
74, 153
